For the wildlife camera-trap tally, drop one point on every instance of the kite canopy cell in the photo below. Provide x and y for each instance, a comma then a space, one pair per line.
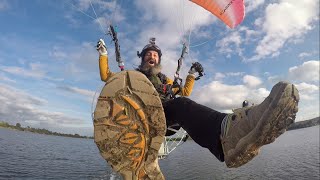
231, 12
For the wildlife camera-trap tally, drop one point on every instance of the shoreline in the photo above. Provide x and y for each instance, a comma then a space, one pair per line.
294, 126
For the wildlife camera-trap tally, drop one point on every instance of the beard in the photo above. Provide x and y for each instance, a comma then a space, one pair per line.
150, 70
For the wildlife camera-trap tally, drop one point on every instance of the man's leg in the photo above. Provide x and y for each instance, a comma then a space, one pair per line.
201, 123
244, 131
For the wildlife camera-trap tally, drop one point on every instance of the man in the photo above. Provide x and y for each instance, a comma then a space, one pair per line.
233, 138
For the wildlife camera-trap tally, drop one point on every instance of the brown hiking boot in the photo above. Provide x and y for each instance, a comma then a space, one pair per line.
249, 128
129, 126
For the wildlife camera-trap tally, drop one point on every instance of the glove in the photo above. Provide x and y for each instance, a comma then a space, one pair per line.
196, 67
101, 48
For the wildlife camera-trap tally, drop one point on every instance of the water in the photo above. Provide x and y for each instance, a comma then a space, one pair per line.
24, 155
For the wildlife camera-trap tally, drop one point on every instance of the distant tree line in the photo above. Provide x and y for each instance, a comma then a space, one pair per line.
39, 131
305, 124
296, 125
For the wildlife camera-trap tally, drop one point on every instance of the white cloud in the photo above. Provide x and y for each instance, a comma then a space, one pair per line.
251, 81
307, 72
19, 106
249, 34
253, 4
235, 73
101, 12
225, 97
304, 54
219, 76
80, 61
308, 109
4, 78
308, 91
283, 21
230, 44
303, 76
168, 21
9, 94
184, 14
84, 92
309, 101
173, 19
35, 70
274, 79
86, 4
4, 5
57, 53
309, 88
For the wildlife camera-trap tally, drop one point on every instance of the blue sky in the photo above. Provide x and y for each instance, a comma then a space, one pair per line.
49, 66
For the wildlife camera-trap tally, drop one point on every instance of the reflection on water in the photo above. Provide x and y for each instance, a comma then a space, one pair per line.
23, 155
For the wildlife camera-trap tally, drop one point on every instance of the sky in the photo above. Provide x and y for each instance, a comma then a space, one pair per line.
49, 75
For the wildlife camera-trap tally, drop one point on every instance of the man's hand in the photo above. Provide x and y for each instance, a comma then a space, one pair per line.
196, 67
102, 48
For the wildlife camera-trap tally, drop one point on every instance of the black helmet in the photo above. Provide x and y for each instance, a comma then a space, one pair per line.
151, 46
245, 103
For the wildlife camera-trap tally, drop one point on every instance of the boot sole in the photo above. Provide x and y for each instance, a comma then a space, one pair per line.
273, 123
129, 125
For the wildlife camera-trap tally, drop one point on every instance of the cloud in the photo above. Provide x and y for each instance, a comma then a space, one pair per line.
78, 90
77, 61
235, 73
306, 79
35, 70
304, 54
309, 101
284, 21
253, 4
52, 60
225, 97
9, 93
230, 44
4, 78
308, 91
307, 72
169, 21
57, 53
251, 81
97, 10
4, 5
17, 106
234, 40
86, 4
83, 92
220, 76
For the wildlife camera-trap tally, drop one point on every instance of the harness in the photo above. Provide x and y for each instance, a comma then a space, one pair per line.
159, 82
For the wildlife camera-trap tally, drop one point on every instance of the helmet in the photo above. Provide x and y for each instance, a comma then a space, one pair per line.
245, 103
151, 46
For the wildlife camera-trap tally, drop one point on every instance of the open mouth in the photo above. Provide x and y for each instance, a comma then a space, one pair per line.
151, 62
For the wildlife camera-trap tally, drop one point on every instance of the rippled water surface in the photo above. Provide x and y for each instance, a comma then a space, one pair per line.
23, 155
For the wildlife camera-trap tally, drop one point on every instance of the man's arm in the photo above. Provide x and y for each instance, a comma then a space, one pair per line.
105, 72
186, 90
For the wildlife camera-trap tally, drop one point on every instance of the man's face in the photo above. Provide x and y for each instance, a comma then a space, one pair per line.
151, 58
